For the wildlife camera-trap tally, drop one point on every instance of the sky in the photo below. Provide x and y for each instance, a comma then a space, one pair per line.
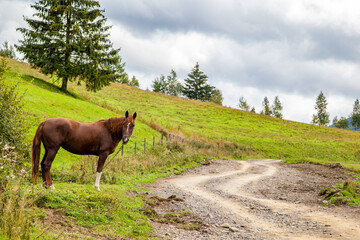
250, 48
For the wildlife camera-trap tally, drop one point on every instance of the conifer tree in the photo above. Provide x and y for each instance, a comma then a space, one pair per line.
69, 38
277, 108
196, 86
321, 117
355, 115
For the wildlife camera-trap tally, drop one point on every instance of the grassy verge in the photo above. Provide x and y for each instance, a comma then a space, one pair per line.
345, 193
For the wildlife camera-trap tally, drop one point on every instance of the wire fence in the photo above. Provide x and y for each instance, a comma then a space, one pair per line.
167, 138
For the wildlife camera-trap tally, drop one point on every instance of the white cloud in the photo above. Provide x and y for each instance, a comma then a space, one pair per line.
254, 48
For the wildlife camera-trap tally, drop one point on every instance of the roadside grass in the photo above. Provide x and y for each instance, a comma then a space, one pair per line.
345, 193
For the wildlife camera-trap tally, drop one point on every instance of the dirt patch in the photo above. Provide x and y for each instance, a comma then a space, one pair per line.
62, 227
256, 199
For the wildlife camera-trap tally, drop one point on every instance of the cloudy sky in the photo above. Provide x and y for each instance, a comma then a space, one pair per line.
250, 48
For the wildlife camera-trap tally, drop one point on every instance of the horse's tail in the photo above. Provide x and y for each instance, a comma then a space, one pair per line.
36, 151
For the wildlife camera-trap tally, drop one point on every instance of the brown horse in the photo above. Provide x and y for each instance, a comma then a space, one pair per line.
100, 139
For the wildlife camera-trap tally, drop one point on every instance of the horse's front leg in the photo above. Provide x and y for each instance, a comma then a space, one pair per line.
100, 166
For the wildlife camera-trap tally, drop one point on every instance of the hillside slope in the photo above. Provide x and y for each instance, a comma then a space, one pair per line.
267, 136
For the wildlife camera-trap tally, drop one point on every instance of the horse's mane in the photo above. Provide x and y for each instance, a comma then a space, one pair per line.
115, 125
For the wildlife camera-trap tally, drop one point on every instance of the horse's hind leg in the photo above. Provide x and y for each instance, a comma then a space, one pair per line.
46, 165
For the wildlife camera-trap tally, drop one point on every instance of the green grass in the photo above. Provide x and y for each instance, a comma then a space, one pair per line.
109, 212
211, 131
345, 193
269, 137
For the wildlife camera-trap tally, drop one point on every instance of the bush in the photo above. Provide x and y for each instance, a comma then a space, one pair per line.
13, 124
14, 224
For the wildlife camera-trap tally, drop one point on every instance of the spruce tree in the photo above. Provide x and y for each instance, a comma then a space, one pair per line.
321, 117
69, 38
196, 86
277, 108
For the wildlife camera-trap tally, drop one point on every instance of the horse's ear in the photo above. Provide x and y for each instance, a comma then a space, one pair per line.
134, 116
126, 114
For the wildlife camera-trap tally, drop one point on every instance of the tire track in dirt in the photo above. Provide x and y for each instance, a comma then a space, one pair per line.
274, 219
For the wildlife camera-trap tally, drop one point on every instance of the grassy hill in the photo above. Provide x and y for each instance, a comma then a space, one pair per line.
209, 130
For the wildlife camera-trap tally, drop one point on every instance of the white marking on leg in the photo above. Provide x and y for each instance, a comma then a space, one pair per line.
97, 182
52, 187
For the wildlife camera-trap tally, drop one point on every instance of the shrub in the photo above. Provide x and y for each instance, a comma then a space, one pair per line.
13, 124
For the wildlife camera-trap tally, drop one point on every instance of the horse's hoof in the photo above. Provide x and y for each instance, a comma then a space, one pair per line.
52, 187
97, 188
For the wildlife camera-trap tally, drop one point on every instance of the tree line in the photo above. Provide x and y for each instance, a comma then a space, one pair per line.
195, 86
70, 40
275, 110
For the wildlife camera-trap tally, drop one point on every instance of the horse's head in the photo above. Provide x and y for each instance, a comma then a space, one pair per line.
128, 127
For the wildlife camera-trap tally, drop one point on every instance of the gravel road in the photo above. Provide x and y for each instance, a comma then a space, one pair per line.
254, 199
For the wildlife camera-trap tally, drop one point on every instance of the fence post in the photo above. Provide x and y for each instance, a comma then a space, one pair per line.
153, 141
144, 145
135, 148
122, 150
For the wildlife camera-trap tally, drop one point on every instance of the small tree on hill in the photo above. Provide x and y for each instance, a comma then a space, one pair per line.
355, 115
321, 117
216, 97
173, 86
159, 84
70, 39
243, 105
341, 123
134, 82
266, 107
277, 108
7, 51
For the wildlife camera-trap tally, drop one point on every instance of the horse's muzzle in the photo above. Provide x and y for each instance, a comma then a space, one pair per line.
125, 140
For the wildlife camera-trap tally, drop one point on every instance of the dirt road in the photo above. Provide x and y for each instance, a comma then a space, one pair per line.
254, 199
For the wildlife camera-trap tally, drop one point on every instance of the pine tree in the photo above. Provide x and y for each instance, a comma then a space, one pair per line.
277, 108
196, 86
266, 110
243, 105
355, 115
321, 117
69, 38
